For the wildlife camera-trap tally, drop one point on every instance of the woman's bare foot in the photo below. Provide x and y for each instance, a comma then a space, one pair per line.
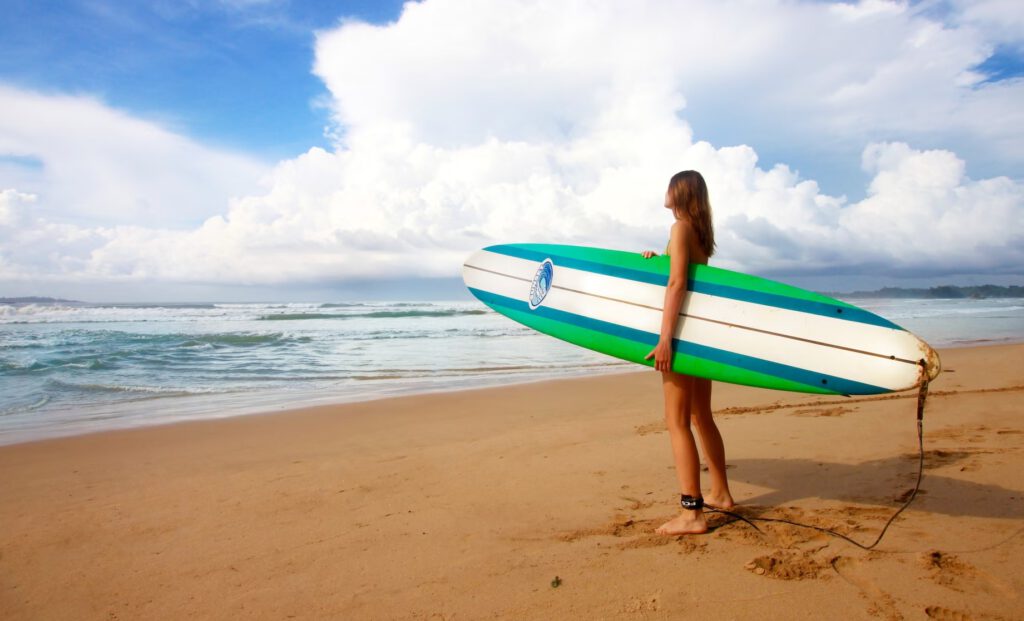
720, 501
687, 523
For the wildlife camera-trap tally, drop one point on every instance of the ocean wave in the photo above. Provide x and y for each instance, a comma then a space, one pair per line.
381, 314
192, 313
88, 363
144, 391
35, 314
427, 313
18, 367
248, 306
21, 409
189, 340
237, 339
376, 304
10, 313
926, 309
94, 364
473, 333
168, 306
86, 352
115, 341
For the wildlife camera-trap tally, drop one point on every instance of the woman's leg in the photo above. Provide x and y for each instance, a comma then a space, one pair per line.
711, 442
678, 400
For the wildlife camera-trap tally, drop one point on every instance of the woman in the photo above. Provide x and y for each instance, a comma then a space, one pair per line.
688, 399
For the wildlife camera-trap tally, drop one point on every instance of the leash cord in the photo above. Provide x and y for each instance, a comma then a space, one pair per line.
922, 396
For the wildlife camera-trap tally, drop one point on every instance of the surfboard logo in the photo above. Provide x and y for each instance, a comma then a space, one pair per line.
541, 283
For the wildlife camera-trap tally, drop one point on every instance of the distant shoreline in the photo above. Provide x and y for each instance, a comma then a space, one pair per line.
942, 292
40, 300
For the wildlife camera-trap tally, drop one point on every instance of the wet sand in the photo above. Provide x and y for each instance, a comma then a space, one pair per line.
534, 501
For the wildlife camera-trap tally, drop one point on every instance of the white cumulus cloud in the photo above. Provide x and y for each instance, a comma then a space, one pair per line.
466, 123
91, 164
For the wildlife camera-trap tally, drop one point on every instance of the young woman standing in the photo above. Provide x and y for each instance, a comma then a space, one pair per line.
688, 399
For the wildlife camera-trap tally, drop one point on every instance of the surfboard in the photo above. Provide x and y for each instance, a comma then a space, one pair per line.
733, 327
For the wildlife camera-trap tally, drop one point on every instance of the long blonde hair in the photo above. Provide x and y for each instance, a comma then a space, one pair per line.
688, 196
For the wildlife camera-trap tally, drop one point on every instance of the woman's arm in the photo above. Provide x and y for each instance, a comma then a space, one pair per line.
675, 290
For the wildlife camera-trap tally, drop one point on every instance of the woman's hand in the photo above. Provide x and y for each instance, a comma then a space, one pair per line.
647, 254
662, 354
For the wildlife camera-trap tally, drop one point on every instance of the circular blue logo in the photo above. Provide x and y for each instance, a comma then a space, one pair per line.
541, 283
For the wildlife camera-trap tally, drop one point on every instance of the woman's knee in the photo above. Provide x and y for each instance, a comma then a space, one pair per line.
678, 419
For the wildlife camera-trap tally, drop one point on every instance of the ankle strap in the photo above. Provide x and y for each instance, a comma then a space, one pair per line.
691, 502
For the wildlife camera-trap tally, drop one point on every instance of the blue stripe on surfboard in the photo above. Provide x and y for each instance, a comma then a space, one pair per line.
796, 374
582, 264
845, 313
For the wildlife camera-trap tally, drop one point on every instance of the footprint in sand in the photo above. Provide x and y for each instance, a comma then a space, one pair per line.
649, 428
786, 565
946, 614
853, 571
634, 533
951, 572
635, 504
941, 613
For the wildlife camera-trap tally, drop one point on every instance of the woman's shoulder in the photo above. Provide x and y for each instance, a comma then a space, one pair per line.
679, 236
682, 229
684, 239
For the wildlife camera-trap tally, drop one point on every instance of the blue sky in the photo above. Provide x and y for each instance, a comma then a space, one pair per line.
283, 148
235, 74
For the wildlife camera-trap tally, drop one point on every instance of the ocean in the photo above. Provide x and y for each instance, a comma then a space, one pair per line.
69, 369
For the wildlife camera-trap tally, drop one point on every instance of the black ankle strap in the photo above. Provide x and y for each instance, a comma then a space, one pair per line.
691, 502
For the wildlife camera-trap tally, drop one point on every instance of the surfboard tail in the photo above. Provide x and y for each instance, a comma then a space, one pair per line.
931, 364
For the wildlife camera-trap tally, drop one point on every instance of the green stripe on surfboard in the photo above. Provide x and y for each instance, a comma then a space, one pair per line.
704, 273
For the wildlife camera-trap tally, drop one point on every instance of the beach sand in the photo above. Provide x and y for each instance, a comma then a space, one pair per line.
534, 501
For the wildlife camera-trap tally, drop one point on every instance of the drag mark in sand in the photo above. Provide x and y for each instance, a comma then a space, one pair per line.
816, 412
830, 407
771, 407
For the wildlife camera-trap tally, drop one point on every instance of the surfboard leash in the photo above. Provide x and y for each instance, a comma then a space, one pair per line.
922, 396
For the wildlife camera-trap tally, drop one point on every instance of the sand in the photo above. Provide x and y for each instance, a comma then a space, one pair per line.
533, 501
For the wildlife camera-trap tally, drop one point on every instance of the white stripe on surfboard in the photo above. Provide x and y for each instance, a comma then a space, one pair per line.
773, 347
831, 332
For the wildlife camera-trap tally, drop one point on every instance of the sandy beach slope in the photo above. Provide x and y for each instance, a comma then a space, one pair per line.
468, 505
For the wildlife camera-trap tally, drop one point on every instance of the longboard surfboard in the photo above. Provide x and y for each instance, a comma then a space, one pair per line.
733, 327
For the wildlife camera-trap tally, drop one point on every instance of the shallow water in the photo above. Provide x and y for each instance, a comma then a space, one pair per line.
69, 369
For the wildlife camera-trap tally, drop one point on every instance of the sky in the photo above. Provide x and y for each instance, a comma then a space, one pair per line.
224, 150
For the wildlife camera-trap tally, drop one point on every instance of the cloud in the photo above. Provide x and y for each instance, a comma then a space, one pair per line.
1001, 21
95, 165
464, 125
818, 76
923, 216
